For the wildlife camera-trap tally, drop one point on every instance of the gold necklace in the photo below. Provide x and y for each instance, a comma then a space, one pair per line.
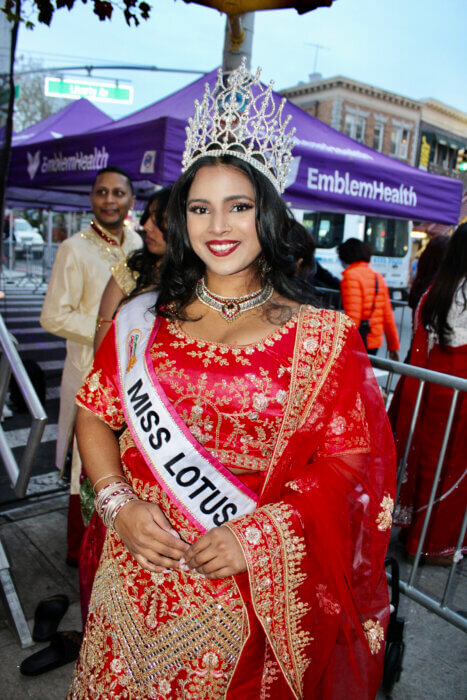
231, 308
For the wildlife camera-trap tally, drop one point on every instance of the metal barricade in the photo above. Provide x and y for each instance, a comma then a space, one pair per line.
331, 299
19, 475
440, 607
401, 310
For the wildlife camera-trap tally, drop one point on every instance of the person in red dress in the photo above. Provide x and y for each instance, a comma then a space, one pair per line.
240, 452
439, 344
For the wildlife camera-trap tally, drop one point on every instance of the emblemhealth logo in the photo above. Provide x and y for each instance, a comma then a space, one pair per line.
33, 163
58, 163
97, 159
345, 184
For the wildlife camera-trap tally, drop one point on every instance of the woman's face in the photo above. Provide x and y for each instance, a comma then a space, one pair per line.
154, 237
221, 220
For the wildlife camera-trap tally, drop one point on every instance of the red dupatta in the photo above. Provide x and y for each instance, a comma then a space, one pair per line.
315, 547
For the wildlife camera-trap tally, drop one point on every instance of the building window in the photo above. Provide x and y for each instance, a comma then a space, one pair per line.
378, 134
399, 142
354, 126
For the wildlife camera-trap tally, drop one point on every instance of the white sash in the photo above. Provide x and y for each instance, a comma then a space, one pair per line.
207, 493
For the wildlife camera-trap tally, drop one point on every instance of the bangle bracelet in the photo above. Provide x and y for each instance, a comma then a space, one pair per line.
111, 499
100, 322
107, 476
107, 492
116, 510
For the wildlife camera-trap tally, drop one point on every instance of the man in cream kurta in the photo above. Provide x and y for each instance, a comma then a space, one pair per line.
80, 273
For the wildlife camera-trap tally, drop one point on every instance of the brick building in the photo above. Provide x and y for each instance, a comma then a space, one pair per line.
443, 139
424, 133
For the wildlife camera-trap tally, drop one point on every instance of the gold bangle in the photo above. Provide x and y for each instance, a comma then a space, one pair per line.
100, 321
107, 476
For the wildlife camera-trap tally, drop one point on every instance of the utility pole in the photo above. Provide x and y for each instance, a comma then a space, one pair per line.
238, 40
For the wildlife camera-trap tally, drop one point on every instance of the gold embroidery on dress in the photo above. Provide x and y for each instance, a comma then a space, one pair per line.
384, 519
172, 633
311, 365
374, 634
326, 601
274, 554
232, 418
208, 352
125, 441
294, 486
103, 400
271, 672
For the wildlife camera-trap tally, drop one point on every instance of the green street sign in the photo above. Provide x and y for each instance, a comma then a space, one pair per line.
72, 89
5, 95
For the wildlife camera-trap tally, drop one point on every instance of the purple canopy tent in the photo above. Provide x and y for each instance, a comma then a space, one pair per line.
77, 117
330, 171
59, 174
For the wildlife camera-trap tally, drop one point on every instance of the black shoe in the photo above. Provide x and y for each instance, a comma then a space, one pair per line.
63, 649
47, 617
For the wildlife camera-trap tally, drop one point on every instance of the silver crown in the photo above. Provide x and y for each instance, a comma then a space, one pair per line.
235, 119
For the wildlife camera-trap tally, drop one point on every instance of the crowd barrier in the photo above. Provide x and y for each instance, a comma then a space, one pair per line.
441, 606
18, 474
29, 271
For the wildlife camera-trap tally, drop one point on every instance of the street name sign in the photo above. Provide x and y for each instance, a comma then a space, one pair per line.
74, 89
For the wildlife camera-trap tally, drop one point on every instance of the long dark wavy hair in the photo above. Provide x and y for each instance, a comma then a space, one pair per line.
451, 274
143, 262
282, 251
427, 267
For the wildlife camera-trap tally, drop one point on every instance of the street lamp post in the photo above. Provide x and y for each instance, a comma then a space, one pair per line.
238, 40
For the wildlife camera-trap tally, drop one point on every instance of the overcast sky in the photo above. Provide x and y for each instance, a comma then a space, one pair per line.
417, 48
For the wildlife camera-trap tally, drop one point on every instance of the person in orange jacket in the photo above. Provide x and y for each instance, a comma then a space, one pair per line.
365, 296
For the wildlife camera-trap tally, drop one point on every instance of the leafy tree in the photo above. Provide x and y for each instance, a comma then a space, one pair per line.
32, 11
32, 104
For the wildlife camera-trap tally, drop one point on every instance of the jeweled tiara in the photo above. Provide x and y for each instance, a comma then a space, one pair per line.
235, 119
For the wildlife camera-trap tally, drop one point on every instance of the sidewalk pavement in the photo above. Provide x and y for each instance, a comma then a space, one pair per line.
34, 537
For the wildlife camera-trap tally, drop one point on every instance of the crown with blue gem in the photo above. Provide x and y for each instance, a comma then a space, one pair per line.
240, 118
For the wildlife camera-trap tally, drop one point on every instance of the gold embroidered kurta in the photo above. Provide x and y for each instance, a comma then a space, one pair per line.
79, 275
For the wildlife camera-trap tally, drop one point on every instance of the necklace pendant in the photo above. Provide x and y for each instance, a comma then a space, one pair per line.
230, 310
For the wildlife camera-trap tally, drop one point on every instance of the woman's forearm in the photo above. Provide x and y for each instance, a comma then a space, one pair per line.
110, 300
98, 447
142, 526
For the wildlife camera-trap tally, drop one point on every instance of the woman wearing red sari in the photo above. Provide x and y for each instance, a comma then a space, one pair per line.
440, 344
249, 497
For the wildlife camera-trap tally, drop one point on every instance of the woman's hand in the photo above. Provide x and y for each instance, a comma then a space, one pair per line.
149, 537
216, 554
